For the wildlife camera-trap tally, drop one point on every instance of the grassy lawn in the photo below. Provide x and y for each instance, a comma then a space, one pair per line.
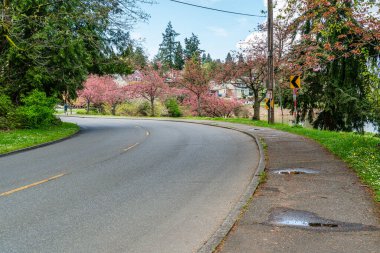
360, 152
18, 139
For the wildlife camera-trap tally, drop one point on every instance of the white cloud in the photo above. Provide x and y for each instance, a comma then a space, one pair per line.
218, 31
279, 5
242, 21
245, 44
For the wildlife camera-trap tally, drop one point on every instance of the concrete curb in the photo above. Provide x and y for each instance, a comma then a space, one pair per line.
215, 240
40, 145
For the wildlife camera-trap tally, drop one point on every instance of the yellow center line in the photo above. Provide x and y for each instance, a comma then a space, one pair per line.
134, 145
31, 185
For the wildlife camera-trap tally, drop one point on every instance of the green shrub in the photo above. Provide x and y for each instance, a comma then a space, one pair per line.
138, 108
127, 109
92, 111
5, 105
173, 108
36, 110
81, 111
7, 115
134, 109
144, 109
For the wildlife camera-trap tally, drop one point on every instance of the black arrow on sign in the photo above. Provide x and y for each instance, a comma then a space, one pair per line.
294, 81
268, 103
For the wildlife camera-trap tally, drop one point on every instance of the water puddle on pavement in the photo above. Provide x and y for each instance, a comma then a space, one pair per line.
302, 219
294, 171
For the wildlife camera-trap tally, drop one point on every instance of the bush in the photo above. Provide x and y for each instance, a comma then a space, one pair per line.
144, 109
173, 108
5, 105
127, 109
134, 109
138, 108
7, 115
92, 111
36, 111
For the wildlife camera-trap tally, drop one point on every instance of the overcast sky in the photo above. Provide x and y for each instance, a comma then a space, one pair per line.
218, 32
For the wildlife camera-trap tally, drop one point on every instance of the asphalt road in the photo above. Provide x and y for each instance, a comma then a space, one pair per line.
124, 186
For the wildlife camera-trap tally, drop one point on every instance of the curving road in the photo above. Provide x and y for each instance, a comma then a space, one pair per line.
124, 186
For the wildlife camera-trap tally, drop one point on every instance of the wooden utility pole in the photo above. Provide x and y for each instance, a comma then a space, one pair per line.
270, 87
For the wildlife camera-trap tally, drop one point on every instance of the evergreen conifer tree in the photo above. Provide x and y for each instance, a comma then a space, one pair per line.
204, 58
192, 47
229, 58
208, 58
167, 50
179, 62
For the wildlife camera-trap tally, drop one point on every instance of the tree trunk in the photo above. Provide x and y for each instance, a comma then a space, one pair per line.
199, 106
256, 106
113, 110
152, 107
88, 106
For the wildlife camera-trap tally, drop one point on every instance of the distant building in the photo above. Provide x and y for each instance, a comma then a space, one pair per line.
134, 77
230, 90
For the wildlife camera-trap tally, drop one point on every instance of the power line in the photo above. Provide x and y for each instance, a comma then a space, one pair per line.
213, 9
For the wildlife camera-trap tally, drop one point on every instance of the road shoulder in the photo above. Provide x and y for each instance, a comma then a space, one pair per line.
328, 210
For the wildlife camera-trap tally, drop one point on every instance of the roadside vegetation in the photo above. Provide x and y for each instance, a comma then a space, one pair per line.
360, 152
22, 138
88, 60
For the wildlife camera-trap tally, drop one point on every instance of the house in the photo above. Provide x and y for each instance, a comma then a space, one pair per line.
134, 77
230, 90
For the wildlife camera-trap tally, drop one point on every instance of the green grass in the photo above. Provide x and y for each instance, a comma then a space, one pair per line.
23, 138
262, 177
360, 152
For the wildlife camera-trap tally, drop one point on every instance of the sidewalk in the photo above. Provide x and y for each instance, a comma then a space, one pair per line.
310, 202
319, 207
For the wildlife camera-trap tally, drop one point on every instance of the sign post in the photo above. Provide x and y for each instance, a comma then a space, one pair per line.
270, 84
295, 84
295, 90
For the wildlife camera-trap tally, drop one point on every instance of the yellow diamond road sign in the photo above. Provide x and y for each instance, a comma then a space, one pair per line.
269, 103
295, 82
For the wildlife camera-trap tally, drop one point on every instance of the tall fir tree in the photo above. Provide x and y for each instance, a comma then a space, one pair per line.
192, 47
208, 58
204, 58
229, 58
167, 50
179, 62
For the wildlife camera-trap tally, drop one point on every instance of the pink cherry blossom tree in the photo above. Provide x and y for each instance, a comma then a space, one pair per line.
101, 90
195, 79
212, 105
220, 107
151, 87
113, 94
91, 91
